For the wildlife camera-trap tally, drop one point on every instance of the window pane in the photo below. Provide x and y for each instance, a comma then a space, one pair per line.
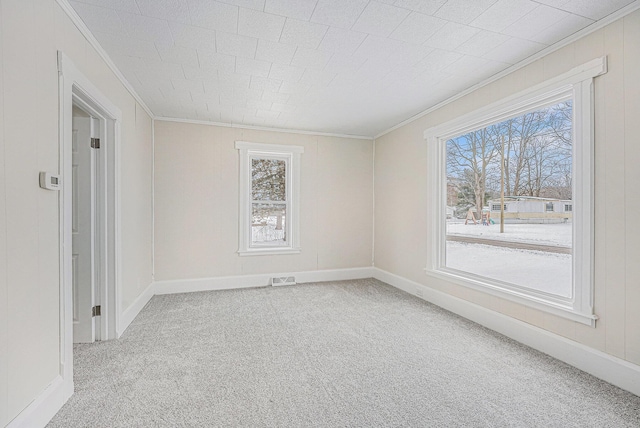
268, 224
530, 158
268, 180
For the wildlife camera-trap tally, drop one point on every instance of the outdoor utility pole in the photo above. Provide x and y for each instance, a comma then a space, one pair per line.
502, 185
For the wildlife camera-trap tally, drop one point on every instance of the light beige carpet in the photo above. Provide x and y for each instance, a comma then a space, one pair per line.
340, 354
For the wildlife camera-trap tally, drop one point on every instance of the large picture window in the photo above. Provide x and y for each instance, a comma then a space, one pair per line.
269, 189
501, 180
526, 161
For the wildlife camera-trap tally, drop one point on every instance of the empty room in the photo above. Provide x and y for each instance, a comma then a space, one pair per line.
319, 213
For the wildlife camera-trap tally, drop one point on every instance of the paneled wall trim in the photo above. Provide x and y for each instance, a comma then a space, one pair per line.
196, 237
576, 84
32, 32
197, 195
402, 200
601, 365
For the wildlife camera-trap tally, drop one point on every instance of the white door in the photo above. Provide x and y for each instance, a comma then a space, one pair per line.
83, 228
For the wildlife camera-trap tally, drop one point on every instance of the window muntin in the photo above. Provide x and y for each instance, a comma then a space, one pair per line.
577, 85
269, 198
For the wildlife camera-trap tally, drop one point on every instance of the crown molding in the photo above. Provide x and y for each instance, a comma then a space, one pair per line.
263, 128
84, 30
632, 7
68, 9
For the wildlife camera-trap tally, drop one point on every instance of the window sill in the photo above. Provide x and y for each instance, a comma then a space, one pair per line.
268, 251
553, 304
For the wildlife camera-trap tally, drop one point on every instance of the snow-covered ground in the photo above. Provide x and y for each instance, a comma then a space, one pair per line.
544, 271
547, 234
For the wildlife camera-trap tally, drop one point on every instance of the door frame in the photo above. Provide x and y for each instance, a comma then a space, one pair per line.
75, 88
93, 176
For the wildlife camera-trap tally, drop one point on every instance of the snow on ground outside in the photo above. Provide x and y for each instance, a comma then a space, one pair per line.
544, 271
546, 234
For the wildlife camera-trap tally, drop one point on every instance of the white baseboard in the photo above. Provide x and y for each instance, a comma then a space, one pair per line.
261, 280
52, 398
43, 408
611, 369
606, 367
334, 275
129, 314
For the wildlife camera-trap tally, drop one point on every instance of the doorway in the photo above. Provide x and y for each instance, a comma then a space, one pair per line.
85, 153
89, 213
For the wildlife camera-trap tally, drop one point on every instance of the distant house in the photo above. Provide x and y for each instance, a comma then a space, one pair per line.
530, 209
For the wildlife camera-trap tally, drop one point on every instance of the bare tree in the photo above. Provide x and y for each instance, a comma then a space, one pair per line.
469, 158
268, 190
548, 154
538, 153
544, 159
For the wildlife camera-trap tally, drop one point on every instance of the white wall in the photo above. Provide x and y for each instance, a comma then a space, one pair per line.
137, 208
196, 203
197, 194
4, 288
401, 205
31, 32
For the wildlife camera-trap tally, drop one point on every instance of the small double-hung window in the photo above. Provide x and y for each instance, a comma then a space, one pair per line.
269, 198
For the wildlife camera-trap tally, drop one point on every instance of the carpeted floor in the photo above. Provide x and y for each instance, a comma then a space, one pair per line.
340, 354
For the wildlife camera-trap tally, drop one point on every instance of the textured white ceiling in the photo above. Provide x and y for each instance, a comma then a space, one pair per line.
339, 66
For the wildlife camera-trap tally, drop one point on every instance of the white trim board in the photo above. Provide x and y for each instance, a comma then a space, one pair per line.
53, 397
68, 9
43, 408
73, 86
616, 371
630, 8
263, 128
611, 369
259, 280
129, 314
577, 85
153, 199
291, 156
84, 30
230, 283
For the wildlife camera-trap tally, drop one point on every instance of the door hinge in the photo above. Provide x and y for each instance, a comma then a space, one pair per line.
95, 311
95, 143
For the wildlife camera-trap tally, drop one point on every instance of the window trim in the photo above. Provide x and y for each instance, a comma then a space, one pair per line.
576, 84
292, 154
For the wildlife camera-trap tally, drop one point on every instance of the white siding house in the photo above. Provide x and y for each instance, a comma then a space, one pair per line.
530, 209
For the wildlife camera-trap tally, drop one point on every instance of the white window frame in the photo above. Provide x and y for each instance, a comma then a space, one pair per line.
291, 155
576, 84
